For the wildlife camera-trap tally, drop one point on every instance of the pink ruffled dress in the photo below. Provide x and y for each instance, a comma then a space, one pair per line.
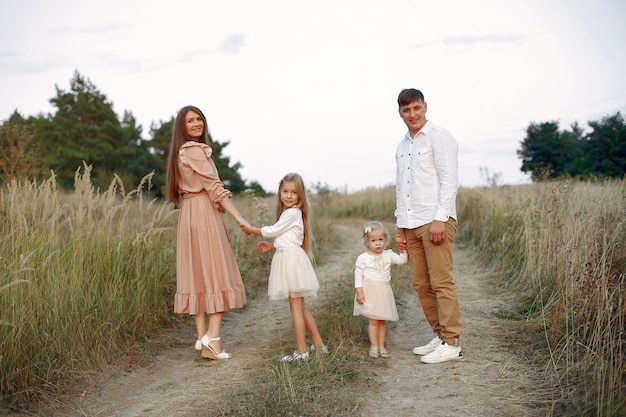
207, 276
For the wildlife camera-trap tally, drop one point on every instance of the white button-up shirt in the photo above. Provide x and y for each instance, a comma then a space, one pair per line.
427, 177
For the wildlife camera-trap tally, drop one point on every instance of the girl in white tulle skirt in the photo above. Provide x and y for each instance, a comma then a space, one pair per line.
372, 278
291, 274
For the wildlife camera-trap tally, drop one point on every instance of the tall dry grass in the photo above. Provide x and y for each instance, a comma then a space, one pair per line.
82, 280
563, 246
85, 276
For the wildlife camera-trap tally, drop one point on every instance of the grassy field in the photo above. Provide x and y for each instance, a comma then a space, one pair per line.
86, 276
562, 247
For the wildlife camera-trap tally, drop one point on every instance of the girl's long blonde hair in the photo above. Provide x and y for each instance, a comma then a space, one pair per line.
303, 205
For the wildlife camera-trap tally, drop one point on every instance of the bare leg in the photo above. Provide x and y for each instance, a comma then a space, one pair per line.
296, 305
372, 332
381, 333
200, 320
311, 327
215, 326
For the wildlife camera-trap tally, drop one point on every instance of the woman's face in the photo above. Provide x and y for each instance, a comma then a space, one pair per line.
194, 125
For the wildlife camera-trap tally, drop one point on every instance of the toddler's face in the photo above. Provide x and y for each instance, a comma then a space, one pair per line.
376, 241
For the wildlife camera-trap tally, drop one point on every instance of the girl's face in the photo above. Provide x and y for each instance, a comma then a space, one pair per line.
194, 125
289, 194
376, 240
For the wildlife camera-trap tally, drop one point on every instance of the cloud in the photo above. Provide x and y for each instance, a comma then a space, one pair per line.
473, 40
121, 65
102, 28
233, 43
495, 38
14, 63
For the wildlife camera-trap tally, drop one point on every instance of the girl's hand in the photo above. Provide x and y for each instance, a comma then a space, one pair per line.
264, 246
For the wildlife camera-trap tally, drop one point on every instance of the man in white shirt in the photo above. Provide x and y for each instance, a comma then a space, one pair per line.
426, 187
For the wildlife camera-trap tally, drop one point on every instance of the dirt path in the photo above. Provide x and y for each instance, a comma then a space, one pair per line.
494, 379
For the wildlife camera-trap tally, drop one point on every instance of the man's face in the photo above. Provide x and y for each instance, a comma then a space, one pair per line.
414, 116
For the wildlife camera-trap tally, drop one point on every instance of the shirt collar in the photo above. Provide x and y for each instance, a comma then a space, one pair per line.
424, 130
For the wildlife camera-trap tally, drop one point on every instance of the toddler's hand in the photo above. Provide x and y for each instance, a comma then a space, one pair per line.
360, 297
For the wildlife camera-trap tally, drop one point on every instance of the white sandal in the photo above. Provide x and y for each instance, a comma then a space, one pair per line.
198, 348
209, 353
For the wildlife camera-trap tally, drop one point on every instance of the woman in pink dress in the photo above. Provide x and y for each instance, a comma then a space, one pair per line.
207, 277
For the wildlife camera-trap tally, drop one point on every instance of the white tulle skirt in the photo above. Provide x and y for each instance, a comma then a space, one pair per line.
379, 304
292, 275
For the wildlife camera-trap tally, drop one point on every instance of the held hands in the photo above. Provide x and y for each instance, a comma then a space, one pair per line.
437, 231
401, 239
245, 228
249, 230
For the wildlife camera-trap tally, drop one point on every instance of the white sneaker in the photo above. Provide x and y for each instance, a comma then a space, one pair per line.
323, 349
429, 347
444, 353
296, 357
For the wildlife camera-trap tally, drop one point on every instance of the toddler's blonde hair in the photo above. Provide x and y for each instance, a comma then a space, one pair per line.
372, 226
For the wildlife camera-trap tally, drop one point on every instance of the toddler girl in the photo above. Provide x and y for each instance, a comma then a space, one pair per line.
372, 275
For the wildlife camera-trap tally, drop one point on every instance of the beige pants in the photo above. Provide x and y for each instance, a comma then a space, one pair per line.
431, 273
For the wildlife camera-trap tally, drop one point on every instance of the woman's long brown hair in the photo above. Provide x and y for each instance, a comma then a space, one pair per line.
179, 137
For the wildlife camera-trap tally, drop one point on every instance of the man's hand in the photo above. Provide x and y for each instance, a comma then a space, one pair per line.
437, 232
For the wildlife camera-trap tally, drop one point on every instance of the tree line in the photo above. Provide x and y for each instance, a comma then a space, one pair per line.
548, 152
85, 129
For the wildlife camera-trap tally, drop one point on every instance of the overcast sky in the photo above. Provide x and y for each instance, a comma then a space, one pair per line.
312, 86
